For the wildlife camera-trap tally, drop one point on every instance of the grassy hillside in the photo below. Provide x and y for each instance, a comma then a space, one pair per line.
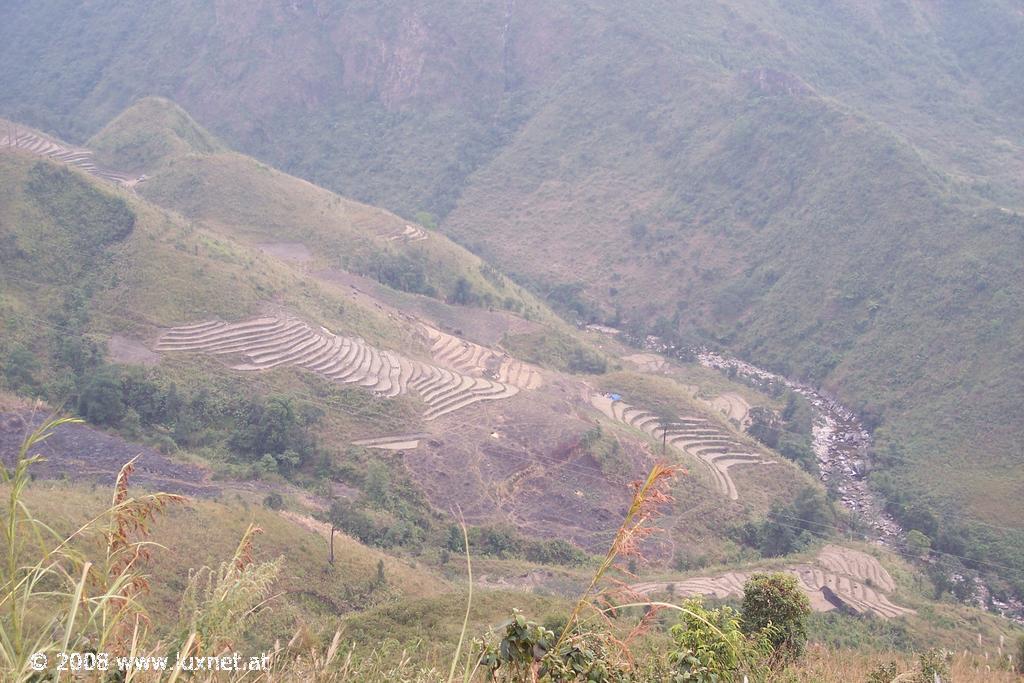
85, 264
151, 132
383, 606
187, 171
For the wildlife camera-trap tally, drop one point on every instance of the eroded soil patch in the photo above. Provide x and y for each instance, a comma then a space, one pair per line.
80, 452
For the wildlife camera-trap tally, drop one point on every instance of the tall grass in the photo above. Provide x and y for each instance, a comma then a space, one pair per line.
52, 598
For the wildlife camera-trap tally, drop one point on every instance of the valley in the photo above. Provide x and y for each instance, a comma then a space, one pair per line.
620, 342
841, 445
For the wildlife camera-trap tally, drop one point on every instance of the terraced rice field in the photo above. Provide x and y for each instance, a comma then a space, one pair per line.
473, 359
839, 577
733, 406
861, 566
274, 341
411, 233
72, 156
405, 442
703, 439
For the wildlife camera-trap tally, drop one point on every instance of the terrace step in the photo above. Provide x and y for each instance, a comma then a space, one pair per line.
275, 341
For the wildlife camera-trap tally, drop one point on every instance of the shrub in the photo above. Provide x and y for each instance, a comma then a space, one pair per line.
402, 271
583, 360
883, 673
774, 604
789, 528
463, 294
555, 551
20, 368
710, 646
934, 665
918, 542
100, 402
529, 651
353, 521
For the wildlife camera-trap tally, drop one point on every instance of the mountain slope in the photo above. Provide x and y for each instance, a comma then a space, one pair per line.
214, 311
397, 106
189, 172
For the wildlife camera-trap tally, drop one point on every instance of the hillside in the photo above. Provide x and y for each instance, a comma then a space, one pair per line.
186, 171
488, 411
832, 191
618, 341
381, 604
399, 105
871, 276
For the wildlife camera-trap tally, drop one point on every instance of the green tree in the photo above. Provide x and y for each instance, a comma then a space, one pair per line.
426, 219
100, 401
273, 501
267, 465
274, 428
941, 573
378, 485
765, 426
343, 516
583, 360
774, 605
20, 368
500, 541
777, 535
811, 511
555, 551
463, 293
667, 421
288, 461
455, 542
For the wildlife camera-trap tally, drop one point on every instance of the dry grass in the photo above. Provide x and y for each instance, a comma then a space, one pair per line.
821, 664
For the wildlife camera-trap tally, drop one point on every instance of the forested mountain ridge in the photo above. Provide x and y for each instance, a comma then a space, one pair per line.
345, 91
